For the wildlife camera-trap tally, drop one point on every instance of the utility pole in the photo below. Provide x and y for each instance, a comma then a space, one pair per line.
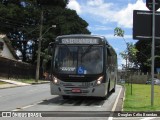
153, 56
39, 47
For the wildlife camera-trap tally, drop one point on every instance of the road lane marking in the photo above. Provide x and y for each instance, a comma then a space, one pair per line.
137, 118
115, 104
126, 118
28, 106
148, 118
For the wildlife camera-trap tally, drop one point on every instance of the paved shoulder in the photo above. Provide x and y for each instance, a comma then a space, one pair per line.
11, 83
14, 82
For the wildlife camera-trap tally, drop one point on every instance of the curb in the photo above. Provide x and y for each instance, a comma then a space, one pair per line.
124, 96
13, 85
40, 83
14, 82
119, 106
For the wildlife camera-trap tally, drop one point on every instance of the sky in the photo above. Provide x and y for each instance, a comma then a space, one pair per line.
103, 16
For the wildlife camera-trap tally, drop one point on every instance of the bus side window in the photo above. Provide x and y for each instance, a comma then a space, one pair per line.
108, 59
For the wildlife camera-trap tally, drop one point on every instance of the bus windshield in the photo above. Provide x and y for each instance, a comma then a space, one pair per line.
82, 59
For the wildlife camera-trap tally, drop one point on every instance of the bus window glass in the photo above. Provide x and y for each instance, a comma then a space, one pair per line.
65, 59
86, 59
91, 59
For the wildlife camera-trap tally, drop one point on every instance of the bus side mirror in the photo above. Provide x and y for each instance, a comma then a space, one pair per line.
51, 47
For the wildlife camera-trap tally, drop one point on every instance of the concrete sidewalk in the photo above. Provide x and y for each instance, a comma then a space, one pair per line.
11, 83
14, 82
7, 86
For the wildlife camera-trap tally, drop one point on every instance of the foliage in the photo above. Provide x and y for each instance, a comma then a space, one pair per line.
118, 32
140, 98
47, 3
140, 53
130, 53
31, 81
2, 83
20, 20
144, 56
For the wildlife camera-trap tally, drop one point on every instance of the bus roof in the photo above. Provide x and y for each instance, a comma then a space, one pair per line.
83, 36
104, 40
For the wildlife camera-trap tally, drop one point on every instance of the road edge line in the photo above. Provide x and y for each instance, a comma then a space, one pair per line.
115, 104
124, 96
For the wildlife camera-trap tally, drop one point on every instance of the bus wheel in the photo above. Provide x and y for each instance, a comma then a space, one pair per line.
114, 89
108, 88
105, 97
65, 97
108, 91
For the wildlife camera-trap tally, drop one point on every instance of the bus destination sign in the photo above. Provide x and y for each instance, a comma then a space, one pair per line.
79, 41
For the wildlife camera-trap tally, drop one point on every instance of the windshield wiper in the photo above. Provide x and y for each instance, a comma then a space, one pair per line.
86, 51
68, 49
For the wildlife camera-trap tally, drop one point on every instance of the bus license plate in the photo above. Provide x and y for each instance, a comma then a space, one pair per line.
76, 90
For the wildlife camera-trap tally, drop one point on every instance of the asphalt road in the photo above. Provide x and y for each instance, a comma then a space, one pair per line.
37, 98
15, 98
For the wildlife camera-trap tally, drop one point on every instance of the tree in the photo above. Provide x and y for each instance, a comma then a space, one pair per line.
144, 55
119, 32
130, 53
20, 20
46, 3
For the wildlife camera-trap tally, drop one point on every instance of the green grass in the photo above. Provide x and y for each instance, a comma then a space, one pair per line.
1, 83
30, 81
26, 80
140, 100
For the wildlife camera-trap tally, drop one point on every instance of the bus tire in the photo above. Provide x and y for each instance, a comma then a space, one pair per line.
105, 97
108, 90
65, 97
114, 89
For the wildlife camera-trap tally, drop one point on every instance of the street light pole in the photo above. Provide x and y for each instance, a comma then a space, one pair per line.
153, 57
39, 47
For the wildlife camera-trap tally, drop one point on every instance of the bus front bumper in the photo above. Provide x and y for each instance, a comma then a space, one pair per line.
74, 89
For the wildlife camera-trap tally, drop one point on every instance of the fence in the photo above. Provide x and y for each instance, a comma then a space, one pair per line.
137, 77
15, 69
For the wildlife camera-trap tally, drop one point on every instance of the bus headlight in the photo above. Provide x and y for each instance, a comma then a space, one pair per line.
99, 80
55, 80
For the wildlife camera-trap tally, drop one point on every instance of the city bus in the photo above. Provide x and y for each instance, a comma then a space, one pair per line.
82, 65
